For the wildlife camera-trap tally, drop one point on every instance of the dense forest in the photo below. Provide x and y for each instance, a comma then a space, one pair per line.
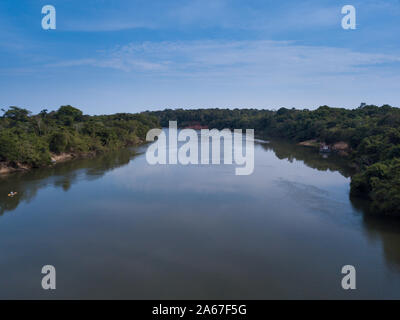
371, 132
30, 140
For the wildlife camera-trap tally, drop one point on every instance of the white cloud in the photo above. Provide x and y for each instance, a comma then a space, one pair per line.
244, 73
253, 59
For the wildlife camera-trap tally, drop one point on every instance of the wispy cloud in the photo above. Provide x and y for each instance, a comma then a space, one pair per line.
258, 59
200, 14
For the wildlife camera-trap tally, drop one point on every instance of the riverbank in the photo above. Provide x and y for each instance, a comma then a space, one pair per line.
11, 167
32, 141
341, 147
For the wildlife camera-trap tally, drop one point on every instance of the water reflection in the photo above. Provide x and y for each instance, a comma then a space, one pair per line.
65, 174
62, 175
311, 157
386, 230
199, 231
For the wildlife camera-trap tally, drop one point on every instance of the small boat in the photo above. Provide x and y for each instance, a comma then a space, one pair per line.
12, 194
324, 149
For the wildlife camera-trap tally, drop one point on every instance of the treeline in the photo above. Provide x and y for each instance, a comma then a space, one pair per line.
372, 133
29, 140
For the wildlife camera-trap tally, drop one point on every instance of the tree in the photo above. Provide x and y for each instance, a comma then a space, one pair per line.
17, 114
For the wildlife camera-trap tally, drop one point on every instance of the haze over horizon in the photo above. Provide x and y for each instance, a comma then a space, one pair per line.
131, 56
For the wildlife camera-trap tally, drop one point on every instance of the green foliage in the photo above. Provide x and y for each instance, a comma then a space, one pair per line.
381, 183
30, 139
58, 142
18, 147
67, 115
372, 133
17, 114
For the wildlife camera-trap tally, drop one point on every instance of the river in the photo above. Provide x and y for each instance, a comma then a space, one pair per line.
116, 227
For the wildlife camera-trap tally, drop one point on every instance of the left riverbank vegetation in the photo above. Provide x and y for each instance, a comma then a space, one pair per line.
35, 140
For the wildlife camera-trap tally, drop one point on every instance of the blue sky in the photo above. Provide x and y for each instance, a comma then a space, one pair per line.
111, 56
